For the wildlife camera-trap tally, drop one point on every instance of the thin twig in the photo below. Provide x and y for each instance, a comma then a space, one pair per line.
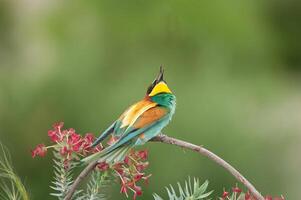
80, 178
169, 140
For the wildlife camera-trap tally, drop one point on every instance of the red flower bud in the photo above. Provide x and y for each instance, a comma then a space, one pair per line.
53, 135
248, 196
236, 190
127, 160
74, 138
64, 132
268, 197
138, 190
40, 150
76, 147
142, 166
89, 138
63, 150
58, 125
123, 189
143, 154
225, 194
103, 166
120, 171
71, 131
137, 177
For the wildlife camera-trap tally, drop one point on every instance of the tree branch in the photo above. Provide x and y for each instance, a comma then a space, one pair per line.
205, 152
169, 140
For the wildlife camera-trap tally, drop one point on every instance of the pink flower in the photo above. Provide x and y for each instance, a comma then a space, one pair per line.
268, 197
63, 133
123, 189
103, 166
63, 150
143, 154
75, 141
138, 192
236, 190
89, 138
137, 177
53, 135
74, 138
76, 147
40, 150
72, 146
88, 141
71, 131
248, 196
225, 194
58, 125
120, 171
141, 167
127, 160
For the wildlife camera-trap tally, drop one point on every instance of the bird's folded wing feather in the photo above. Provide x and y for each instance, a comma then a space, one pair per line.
150, 116
137, 120
119, 127
107, 132
128, 118
141, 124
131, 115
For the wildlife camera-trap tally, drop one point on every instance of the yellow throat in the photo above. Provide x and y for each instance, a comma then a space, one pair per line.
160, 88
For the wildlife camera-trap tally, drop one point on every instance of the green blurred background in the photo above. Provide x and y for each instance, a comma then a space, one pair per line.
235, 67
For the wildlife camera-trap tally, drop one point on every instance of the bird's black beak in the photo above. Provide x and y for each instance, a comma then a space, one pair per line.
160, 75
159, 79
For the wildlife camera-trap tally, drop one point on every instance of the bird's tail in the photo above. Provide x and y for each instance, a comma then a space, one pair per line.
108, 155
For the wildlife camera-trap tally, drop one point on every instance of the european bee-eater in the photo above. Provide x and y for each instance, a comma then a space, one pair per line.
139, 123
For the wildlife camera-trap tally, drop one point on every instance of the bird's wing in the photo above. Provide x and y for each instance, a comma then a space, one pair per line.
120, 126
150, 116
104, 134
145, 126
125, 122
145, 121
129, 117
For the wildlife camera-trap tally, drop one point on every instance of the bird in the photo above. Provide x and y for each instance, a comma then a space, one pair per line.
138, 124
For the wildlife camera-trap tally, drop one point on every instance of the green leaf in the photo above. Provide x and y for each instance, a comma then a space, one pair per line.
11, 186
95, 188
62, 177
190, 192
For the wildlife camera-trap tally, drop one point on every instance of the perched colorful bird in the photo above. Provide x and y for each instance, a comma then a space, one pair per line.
139, 123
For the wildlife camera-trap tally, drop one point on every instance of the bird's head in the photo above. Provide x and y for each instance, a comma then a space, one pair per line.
158, 86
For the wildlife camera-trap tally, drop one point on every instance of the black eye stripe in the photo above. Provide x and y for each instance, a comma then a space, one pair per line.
150, 88
154, 83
